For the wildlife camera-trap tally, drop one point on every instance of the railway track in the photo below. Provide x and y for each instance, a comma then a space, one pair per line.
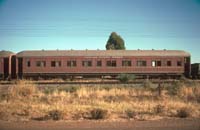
99, 82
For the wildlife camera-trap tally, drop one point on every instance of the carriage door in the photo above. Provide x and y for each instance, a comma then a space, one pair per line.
187, 66
13, 67
20, 67
6, 68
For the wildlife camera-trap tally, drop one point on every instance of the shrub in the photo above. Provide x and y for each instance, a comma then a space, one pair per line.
196, 92
183, 112
111, 98
130, 113
55, 115
23, 89
105, 87
3, 96
98, 113
174, 88
147, 84
70, 89
49, 90
159, 109
124, 78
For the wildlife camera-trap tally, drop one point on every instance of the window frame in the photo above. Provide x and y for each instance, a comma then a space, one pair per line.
111, 63
41, 63
156, 63
97, 63
167, 64
179, 63
87, 63
141, 63
71, 63
28, 63
56, 63
126, 63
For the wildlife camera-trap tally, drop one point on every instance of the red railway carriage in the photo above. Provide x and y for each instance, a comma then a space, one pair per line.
195, 71
102, 62
7, 65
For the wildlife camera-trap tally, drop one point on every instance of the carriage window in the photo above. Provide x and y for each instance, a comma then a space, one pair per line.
40, 63
155, 63
87, 63
71, 63
126, 63
179, 63
55, 63
169, 63
99, 63
158, 63
111, 63
141, 63
28, 63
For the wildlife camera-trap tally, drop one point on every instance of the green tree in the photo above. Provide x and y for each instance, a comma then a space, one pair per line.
115, 42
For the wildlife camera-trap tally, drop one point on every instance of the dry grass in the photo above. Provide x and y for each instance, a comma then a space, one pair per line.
24, 101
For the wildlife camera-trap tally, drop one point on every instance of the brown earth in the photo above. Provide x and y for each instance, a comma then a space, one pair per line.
164, 124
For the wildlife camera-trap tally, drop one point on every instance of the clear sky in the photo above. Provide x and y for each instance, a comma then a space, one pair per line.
87, 24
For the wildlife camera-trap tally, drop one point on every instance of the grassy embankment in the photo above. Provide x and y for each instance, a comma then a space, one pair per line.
26, 101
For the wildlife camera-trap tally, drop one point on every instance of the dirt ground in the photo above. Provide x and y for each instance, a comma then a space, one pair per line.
164, 124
